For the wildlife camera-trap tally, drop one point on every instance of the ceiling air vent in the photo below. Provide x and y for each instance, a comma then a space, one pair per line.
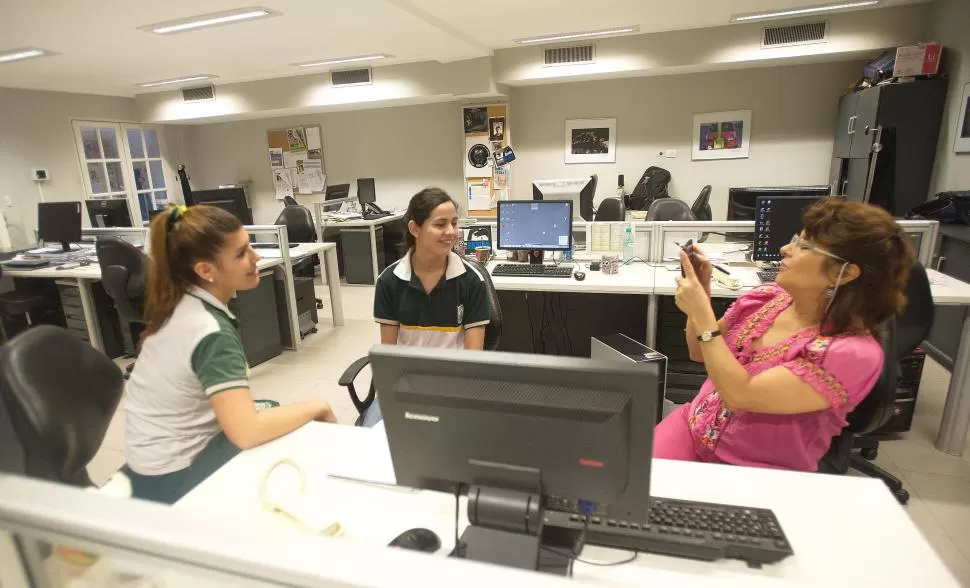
570, 55
800, 34
199, 93
351, 77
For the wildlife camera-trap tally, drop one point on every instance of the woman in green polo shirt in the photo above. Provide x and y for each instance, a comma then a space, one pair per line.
431, 297
188, 407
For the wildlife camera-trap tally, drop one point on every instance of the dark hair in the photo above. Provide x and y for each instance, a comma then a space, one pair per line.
868, 237
180, 237
420, 208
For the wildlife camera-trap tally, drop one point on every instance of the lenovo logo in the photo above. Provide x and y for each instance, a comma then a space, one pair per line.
413, 416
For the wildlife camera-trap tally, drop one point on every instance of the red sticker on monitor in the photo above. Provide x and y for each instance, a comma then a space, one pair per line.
591, 463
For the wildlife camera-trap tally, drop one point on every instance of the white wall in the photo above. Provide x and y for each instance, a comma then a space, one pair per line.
404, 148
36, 132
951, 26
793, 126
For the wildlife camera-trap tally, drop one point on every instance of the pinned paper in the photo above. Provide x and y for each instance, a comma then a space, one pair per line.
276, 157
282, 184
480, 194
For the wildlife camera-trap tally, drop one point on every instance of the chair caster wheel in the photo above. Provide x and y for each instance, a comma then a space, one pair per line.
869, 454
902, 496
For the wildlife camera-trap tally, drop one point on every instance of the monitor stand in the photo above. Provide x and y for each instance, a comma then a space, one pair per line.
66, 246
535, 256
373, 208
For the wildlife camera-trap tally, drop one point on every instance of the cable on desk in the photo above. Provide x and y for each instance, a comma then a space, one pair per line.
459, 549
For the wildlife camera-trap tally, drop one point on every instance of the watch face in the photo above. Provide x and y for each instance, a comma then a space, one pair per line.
706, 336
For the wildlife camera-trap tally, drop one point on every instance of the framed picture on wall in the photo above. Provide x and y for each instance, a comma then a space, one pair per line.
721, 135
961, 142
591, 140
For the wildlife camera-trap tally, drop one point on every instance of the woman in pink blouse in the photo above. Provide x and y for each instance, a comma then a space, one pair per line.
788, 361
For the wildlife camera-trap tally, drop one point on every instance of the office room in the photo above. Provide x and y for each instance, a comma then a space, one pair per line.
571, 228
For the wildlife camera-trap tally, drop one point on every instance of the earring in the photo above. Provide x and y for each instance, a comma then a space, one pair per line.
211, 279
830, 292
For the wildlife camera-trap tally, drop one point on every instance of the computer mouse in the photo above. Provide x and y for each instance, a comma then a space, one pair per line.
580, 276
417, 539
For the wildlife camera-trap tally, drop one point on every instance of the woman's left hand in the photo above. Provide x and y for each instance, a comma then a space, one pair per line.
691, 298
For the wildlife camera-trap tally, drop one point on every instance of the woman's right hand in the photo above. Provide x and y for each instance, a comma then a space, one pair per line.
702, 267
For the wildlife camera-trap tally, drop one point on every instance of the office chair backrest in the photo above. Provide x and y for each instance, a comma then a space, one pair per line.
702, 206
914, 323
59, 415
586, 197
290, 201
123, 275
299, 224
611, 209
669, 209
493, 331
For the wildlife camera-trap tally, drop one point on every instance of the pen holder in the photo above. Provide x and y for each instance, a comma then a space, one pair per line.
610, 264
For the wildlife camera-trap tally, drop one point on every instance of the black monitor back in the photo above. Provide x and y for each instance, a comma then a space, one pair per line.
109, 212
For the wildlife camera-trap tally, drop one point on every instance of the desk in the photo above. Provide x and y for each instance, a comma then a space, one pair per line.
371, 225
84, 276
845, 530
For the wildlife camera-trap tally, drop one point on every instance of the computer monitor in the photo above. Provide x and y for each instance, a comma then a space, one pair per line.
523, 434
537, 225
221, 197
367, 196
777, 219
338, 191
109, 212
741, 201
59, 222
579, 191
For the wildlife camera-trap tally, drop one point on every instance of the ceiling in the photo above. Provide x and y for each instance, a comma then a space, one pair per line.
100, 49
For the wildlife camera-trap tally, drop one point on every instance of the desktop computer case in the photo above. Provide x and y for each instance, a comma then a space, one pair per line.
619, 347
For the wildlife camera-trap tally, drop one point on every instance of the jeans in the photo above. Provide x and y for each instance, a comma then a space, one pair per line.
169, 488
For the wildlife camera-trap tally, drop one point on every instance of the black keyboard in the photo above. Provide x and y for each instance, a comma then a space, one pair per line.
697, 530
528, 270
25, 263
768, 275
375, 215
270, 245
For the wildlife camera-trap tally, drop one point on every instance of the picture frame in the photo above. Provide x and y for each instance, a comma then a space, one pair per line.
475, 119
496, 128
721, 135
961, 137
590, 140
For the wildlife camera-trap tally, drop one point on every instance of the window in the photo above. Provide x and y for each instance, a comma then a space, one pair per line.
123, 161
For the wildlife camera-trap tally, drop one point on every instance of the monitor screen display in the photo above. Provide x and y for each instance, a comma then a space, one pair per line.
539, 225
776, 220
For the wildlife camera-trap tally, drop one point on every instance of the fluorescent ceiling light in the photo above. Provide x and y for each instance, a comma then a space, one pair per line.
21, 54
802, 11
584, 35
194, 78
340, 60
209, 20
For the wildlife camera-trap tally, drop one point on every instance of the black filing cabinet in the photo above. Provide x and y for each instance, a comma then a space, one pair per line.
258, 323
306, 307
684, 376
358, 263
954, 260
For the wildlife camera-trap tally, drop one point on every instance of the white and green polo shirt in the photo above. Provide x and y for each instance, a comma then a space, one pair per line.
197, 353
458, 302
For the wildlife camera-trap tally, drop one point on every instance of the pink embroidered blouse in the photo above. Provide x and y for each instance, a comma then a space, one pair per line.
842, 369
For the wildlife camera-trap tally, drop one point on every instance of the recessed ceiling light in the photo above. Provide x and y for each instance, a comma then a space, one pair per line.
801, 11
583, 35
193, 78
341, 60
23, 53
209, 20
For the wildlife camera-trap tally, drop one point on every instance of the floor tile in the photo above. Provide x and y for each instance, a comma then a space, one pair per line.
948, 499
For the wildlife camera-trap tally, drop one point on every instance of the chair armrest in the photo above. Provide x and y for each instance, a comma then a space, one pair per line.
350, 374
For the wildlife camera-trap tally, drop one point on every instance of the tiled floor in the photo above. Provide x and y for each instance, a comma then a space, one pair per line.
939, 484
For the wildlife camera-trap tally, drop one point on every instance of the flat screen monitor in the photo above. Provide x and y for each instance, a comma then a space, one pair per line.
222, 197
59, 222
109, 212
777, 219
338, 191
539, 225
579, 191
741, 201
235, 207
366, 193
571, 429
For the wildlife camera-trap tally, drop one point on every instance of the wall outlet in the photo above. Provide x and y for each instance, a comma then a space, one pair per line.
39, 175
669, 153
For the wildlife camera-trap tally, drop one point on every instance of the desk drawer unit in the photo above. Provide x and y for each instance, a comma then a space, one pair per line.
684, 377
73, 311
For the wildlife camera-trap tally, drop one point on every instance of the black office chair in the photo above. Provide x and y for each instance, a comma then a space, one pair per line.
701, 209
586, 196
289, 201
669, 209
493, 336
300, 229
123, 275
610, 209
17, 303
58, 416
901, 335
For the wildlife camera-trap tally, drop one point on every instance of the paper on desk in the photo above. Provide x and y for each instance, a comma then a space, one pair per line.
367, 461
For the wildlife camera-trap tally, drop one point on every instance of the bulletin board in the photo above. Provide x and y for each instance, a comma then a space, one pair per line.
486, 130
296, 160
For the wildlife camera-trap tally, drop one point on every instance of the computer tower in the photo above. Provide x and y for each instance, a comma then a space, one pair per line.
910, 372
358, 263
258, 329
306, 307
619, 347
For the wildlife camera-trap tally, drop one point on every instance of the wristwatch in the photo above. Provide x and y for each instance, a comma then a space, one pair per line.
708, 336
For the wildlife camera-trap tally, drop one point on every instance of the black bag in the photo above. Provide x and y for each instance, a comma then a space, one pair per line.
949, 207
652, 185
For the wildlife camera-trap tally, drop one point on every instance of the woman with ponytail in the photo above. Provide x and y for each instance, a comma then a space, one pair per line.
188, 407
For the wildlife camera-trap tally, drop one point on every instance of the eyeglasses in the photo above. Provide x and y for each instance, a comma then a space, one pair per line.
797, 241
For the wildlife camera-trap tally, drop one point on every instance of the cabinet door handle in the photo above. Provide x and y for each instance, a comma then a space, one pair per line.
851, 129
939, 263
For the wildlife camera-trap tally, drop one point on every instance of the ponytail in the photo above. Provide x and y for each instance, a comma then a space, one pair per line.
178, 238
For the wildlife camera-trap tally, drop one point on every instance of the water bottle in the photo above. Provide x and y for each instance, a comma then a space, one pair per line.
628, 245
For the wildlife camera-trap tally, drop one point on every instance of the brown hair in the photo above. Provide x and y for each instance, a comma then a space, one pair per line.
868, 237
420, 208
180, 237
